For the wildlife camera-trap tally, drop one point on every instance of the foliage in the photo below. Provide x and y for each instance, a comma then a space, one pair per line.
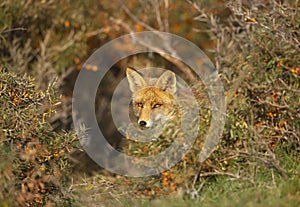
255, 45
34, 166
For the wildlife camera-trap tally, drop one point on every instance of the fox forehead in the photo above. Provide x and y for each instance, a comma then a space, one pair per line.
153, 95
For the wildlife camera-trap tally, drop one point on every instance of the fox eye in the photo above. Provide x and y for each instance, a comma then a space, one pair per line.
140, 105
157, 105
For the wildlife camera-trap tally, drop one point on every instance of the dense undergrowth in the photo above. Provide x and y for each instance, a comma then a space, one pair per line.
255, 46
34, 168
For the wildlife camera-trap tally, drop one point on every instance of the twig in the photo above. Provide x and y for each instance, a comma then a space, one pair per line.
275, 165
134, 17
166, 15
272, 104
227, 174
156, 5
13, 29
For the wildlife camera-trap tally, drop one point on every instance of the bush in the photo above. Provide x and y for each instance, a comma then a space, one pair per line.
34, 169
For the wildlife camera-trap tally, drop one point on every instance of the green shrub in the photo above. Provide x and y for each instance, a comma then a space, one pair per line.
34, 168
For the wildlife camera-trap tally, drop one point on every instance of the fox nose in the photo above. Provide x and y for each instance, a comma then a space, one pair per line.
142, 123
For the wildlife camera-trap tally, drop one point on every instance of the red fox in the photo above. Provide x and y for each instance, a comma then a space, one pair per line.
154, 99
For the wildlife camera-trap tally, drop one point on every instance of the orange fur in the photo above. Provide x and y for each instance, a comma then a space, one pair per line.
154, 100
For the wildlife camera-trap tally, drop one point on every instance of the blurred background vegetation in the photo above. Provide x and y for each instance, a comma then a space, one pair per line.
255, 47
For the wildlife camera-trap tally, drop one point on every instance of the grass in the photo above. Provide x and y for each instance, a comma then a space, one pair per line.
232, 193
216, 191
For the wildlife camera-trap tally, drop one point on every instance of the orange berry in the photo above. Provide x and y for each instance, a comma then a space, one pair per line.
66, 24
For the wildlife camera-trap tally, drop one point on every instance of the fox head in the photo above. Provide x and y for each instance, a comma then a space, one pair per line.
154, 99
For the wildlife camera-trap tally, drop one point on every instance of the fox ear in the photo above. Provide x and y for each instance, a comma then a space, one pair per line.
167, 82
136, 81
